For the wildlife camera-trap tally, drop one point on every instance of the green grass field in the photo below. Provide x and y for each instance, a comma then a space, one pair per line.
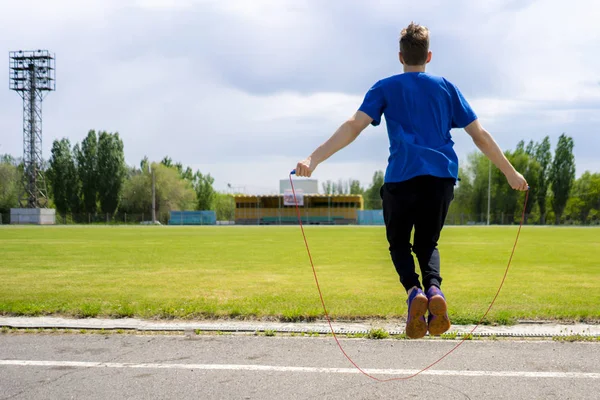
263, 272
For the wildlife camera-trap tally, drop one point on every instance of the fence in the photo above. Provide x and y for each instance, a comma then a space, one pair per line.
329, 216
167, 218
193, 218
108, 219
514, 219
370, 217
99, 218
375, 217
334, 216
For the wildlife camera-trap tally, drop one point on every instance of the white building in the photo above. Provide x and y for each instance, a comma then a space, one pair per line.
307, 186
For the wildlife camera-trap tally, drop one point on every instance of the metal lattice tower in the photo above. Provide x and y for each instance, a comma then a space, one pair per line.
32, 75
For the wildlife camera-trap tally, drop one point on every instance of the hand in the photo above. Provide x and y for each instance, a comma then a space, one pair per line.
517, 181
305, 168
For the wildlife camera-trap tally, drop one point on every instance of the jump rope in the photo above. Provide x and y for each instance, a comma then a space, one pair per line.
465, 337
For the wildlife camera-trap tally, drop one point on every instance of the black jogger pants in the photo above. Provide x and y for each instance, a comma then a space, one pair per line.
421, 202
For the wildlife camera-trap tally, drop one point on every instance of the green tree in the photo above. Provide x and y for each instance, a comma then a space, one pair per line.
585, 198
351, 186
167, 162
224, 206
525, 162
111, 171
75, 195
63, 177
87, 163
463, 194
205, 194
131, 171
372, 194
504, 198
544, 158
10, 184
172, 192
342, 187
145, 164
478, 170
179, 167
355, 187
471, 191
328, 187
8, 159
187, 174
562, 175
471, 195
530, 149
507, 203
137, 194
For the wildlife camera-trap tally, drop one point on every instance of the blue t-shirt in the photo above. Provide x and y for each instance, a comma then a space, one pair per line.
420, 109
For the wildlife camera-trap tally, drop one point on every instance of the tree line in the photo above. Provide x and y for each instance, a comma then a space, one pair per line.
177, 188
91, 178
555, 195
550, 178
87, 178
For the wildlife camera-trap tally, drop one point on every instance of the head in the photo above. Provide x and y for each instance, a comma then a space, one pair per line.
414, 47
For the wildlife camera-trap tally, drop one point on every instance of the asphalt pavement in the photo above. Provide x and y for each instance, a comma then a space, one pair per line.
245, 366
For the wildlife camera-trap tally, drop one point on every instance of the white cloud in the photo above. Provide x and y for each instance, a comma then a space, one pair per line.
37, 15
161, 5
284, 106
243, 89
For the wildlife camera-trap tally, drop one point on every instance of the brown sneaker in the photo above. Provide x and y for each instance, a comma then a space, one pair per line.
416, 326
437, 321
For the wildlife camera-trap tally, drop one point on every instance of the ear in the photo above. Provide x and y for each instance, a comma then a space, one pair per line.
428, 57
401, 58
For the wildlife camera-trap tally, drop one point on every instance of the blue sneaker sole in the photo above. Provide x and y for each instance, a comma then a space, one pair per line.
416, 327
439, 321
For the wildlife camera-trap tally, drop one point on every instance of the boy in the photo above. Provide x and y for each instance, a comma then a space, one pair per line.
420, 109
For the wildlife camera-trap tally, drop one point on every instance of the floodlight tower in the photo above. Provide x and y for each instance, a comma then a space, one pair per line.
32, 75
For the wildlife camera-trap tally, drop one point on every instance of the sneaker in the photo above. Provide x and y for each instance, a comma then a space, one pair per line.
416, 326
437, 321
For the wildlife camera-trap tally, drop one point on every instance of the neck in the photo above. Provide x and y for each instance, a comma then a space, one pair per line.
414, 68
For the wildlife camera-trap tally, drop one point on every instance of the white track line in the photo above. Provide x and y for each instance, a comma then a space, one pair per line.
274, 368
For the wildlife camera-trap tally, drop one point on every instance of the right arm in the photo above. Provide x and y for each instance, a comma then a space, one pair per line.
488, 146
368, 113
342, 137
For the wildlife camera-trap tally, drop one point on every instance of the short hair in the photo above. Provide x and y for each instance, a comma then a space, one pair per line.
414, 44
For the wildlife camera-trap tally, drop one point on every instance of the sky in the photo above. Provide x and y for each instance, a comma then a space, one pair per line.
244, 89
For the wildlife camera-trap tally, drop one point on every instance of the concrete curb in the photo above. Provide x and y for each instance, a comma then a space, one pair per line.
539, 330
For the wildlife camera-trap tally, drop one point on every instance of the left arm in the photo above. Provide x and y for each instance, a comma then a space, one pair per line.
344, 135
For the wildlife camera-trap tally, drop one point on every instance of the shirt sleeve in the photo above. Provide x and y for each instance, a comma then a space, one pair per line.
462, 113
374, 103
